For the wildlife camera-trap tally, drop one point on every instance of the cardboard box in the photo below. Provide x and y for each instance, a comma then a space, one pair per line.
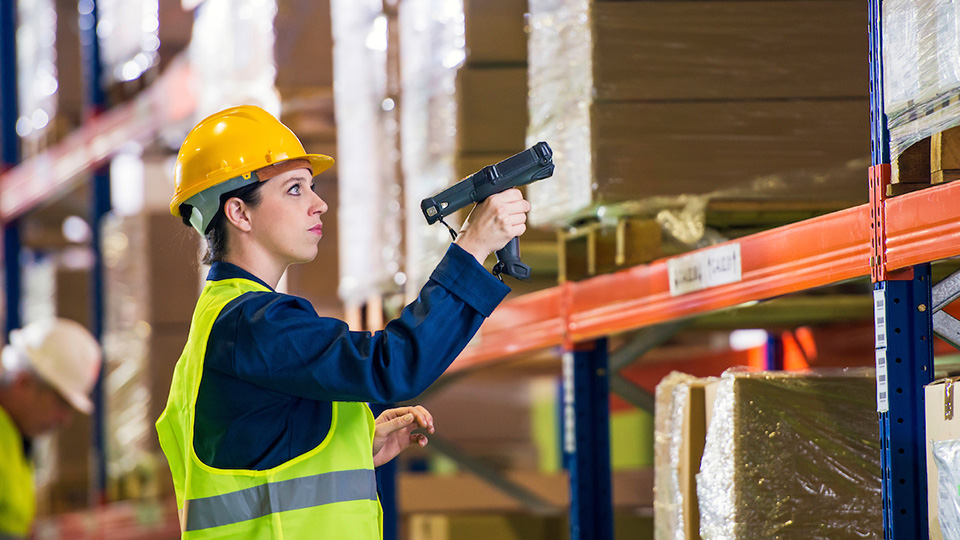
492, 110
495, 32
647, 149
943, 423
703, 50
484, 526
681, 427
691, 451
304, 46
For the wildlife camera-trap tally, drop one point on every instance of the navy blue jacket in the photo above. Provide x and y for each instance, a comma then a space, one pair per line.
273, 366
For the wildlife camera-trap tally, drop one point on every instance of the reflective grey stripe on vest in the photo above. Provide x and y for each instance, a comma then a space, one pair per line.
259, 501
9, 536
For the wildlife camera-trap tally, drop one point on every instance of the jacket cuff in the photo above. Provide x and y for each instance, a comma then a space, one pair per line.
461, 274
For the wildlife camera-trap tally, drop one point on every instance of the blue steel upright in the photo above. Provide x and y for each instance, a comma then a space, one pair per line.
904, 367
904, 334
586, 404
774, 352
96, 102
9, 111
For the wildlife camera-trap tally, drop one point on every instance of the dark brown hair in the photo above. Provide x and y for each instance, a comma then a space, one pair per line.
216, 234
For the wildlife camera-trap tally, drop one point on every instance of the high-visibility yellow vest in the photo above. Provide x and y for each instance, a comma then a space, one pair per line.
328, 492
17, 502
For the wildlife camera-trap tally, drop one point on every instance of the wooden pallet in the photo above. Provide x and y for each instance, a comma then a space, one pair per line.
932, 161
593, 247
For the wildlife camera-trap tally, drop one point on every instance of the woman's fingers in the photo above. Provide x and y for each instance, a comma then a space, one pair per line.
403, 416
419, 439
424, 418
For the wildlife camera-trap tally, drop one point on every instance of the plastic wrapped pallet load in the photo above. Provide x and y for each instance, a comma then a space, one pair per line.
791, 456
921, 69
641, 99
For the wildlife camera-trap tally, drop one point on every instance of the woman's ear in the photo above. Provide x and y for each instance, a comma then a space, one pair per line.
237, 213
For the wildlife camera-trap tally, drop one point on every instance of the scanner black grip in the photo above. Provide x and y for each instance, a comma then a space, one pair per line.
508, 261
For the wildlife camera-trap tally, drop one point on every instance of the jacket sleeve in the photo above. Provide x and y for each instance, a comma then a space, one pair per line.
279, 342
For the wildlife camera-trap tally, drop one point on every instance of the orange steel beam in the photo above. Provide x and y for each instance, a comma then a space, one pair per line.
922, 226
167, 101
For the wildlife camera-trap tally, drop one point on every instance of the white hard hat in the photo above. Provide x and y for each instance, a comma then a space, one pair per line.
64, 354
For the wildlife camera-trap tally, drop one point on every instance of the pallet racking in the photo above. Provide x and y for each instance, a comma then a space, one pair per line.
891, 239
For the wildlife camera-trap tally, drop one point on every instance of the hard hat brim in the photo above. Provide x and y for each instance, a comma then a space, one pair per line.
318, 164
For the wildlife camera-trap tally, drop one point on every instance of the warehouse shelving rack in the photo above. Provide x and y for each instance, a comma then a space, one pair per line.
893, 240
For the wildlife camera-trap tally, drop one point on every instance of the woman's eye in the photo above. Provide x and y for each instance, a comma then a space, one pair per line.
294, 189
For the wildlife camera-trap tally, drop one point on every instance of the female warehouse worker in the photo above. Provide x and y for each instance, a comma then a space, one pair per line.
266, 429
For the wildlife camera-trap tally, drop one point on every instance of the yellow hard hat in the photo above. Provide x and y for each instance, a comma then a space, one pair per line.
224, 150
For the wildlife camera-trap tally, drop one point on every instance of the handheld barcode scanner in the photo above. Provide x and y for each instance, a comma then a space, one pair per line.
534, 163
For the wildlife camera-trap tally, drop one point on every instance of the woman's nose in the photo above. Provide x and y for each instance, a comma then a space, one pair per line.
320, 206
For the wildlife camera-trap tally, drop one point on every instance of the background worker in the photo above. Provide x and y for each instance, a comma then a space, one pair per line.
266, 429
47, 371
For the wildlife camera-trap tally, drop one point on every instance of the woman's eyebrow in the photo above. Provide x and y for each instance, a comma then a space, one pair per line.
296, 179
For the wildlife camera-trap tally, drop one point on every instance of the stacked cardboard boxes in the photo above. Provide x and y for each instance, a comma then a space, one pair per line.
492, 84
664, 98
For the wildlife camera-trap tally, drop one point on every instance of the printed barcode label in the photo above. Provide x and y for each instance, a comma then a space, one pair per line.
883, 404
880, 316
569, 414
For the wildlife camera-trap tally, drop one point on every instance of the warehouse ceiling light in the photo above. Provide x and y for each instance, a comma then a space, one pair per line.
377, 38
24, 126
76, 229
742, 340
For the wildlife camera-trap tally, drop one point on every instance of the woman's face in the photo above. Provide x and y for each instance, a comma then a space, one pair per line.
287, 220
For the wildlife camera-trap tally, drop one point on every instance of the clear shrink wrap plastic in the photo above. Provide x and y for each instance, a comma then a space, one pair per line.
792, 456
634, 108
231, 55
921, 69
129, 36
129, 426
946, 455
36, 67
560, 80
432, 49
369, 209
667, 437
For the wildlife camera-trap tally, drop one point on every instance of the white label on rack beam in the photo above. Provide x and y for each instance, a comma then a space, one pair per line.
883, 398
704, 269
